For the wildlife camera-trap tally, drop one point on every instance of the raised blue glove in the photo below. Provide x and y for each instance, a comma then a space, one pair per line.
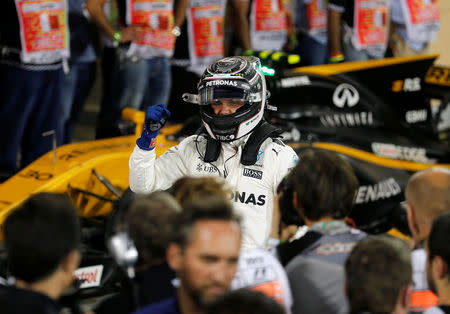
155, 118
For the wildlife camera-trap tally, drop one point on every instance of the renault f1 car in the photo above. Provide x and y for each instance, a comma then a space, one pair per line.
389, 117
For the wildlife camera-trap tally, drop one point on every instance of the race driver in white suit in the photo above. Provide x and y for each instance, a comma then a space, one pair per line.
236, 144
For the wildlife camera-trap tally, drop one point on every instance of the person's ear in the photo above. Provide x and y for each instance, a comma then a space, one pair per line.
298, 205
295, 200
439, 267
412, 223
72, 261
174, 256
405, 297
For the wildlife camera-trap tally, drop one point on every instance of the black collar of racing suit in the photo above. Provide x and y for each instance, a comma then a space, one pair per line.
250, 152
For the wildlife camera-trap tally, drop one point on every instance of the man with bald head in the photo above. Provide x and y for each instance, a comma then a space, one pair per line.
427, 196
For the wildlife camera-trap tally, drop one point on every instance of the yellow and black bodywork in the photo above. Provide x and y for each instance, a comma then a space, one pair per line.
93, 173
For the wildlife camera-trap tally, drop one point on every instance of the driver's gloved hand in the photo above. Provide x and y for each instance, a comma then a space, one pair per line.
155, 118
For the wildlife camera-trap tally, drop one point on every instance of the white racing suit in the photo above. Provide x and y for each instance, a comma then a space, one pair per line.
253, 187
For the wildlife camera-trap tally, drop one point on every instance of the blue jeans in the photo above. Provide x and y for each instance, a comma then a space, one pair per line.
159, 82
146, 83
133, 84
76, 87
311, 51
134, 76
29, 105
351, 54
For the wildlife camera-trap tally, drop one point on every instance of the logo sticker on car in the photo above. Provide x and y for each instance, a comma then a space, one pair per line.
345, 94
91, 276
415, 154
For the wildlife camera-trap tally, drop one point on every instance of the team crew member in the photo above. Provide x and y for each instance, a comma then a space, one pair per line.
378, 276
116, 74
204, 253
262, 24
427, 195
324, 186
360, 27
42, 240
414, 25
149, 222
80, 79
144, 73
33, 43
238, 145
271, 278
311, 23
249, 302
200, 42
438, 263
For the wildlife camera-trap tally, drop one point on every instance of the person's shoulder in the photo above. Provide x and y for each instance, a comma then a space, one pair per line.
188, 144
192, 140
276, 145
15, 300
443, 309
167, 306
309, 266
317, 285
279, 152
118, 303
288, 250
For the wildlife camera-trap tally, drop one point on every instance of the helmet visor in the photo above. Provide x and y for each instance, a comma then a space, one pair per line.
216, 95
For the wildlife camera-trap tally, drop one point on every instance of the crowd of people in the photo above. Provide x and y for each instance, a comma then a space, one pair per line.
207, 216
49, 49
220, 224
191, 257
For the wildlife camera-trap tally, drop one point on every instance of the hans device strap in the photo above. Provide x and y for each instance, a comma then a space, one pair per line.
212, 149
251, 148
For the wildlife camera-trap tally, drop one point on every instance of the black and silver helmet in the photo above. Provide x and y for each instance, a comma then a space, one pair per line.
238, 79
